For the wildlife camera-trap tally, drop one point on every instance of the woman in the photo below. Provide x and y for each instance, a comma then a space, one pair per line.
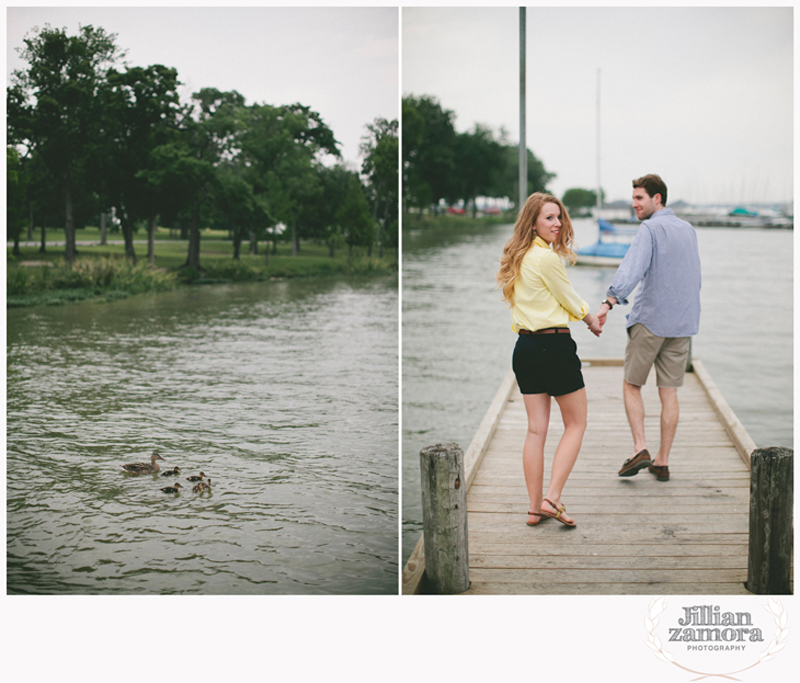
545, 362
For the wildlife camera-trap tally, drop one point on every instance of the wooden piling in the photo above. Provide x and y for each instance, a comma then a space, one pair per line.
771, 495
444, 518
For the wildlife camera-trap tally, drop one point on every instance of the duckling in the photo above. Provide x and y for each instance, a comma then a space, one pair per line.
194, 478
174, 472
172, 489
143, 467
202, 486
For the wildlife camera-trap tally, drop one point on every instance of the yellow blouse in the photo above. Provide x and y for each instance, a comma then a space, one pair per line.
543, 295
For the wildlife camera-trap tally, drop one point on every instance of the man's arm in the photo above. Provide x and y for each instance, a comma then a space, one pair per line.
630, 272
608, 303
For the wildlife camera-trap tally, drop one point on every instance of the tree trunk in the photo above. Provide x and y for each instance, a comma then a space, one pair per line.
30, 221
127, 235
43, 246
237, 245
103, 229
253, 245
69, 227
294, 239
193, 257
151, 241
330, 248
15, 251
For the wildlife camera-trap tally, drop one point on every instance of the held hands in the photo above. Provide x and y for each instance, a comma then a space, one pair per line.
602, 312
595, 326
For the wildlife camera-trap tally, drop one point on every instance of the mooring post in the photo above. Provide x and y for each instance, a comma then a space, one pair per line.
444, 517
769, 561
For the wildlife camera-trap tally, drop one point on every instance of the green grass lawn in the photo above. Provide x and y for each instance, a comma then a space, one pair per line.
92, 233
103, 272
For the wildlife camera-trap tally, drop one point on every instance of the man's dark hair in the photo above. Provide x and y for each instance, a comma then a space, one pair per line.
653, 185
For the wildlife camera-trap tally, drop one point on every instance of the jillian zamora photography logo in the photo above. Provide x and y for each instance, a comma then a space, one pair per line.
716, 640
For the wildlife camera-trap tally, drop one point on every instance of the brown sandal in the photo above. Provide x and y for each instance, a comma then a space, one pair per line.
557, 516
535, 514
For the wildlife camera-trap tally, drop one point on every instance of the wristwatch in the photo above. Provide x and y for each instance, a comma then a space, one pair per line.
607, 303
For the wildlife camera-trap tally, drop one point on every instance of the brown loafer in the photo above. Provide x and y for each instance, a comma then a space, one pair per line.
661, 472
632, 465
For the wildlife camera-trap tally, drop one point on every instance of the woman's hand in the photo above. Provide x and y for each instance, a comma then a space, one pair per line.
595, 327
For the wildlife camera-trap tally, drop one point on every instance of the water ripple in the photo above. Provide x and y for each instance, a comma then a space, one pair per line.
284, 394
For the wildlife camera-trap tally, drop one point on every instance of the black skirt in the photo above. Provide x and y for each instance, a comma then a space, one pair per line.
547, 364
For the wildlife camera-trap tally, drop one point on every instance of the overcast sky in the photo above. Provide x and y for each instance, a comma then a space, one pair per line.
702, 96
341, 62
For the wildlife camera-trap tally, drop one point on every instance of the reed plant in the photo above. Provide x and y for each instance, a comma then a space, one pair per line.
92, 277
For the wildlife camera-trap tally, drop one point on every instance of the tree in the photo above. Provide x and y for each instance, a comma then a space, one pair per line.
322, 217
282, 147
380, 148
237, 209
54, 106
142, 112
480, 159
508, 180
355, 217
15, 198
577, 199
428, 152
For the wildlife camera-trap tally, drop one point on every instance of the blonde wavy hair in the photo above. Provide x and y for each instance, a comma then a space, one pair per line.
524, 234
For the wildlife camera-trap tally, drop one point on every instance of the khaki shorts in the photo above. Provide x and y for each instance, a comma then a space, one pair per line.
669, 354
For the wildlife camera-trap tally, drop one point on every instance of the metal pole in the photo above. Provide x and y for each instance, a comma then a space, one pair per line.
523, 148
599, 191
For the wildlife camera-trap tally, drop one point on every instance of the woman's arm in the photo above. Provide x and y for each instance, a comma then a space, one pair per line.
595, 327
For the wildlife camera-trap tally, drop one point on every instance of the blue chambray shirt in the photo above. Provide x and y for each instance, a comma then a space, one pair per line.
664, 257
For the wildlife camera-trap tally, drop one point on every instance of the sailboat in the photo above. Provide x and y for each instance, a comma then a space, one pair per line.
613, 241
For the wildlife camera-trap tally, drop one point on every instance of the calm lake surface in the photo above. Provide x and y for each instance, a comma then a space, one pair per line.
284, 393
457, 338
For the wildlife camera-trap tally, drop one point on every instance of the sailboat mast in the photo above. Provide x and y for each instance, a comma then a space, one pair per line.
599, 197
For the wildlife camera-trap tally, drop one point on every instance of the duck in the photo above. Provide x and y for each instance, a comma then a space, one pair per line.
202, 486
174, 472
143, 467
172, 489
194, 478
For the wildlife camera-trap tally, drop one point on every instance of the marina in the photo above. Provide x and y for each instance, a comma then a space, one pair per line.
634, 535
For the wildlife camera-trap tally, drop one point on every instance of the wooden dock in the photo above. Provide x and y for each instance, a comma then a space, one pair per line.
634, 535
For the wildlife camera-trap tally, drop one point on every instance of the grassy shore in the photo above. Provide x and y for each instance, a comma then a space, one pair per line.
445, 221
103, 273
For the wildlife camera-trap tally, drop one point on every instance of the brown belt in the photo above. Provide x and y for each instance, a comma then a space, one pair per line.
547, 330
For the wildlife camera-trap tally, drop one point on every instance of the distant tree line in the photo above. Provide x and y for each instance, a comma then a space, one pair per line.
441, 164
87, 136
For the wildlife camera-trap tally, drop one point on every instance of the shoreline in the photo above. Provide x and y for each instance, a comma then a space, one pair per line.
103, 274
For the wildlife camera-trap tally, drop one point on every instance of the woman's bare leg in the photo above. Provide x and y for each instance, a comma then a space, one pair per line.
537, 407
573, 413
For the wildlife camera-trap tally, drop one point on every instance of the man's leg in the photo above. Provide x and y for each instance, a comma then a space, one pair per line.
670, 412
640, 353
634, 409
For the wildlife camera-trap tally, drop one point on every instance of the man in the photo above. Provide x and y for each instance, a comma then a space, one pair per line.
664, 260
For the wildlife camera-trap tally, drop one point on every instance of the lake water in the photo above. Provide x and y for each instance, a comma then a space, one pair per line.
457, 338
283, 393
